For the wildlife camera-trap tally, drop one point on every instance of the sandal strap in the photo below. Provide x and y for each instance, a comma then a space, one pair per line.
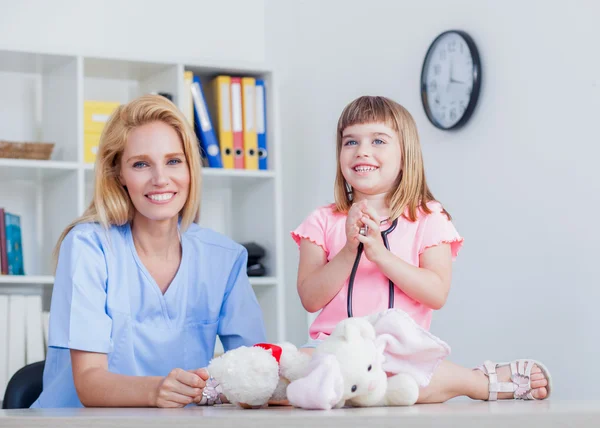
520, 380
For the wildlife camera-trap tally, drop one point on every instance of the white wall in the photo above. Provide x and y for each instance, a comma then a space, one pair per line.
519, 180
174, 30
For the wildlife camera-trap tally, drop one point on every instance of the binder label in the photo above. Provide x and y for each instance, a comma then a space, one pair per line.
236, 106
96, 117
260, 109
249, 107
224, 113
199, 103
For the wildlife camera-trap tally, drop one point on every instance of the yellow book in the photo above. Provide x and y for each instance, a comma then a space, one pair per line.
221, 92
249, 122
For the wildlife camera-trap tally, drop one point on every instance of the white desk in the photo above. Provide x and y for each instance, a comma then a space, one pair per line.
508, 414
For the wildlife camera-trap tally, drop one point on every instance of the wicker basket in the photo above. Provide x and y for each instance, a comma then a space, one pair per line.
25, 150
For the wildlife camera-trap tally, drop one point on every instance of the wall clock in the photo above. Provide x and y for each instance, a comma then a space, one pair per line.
451, 79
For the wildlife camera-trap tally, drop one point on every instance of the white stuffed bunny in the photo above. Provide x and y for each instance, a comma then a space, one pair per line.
346, 369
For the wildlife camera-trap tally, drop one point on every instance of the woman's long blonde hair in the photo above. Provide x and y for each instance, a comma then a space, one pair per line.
111, 204
411, 191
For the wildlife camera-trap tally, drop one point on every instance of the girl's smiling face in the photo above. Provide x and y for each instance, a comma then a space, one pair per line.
370, 158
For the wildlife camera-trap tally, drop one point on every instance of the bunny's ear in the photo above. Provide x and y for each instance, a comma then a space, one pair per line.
351, 332
353, 329
408, 347
323, 386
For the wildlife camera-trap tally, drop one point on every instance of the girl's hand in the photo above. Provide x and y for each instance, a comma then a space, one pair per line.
373, 244
354, 223
179, 388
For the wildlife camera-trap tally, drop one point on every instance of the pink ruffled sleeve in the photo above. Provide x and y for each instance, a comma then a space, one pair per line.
438, 229
313, 228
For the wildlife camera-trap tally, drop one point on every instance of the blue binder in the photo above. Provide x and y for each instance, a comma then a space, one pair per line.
203, 126
261, 123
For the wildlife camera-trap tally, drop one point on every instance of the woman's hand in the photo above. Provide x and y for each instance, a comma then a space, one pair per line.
180, 388
373, 245
354, 223
203, 373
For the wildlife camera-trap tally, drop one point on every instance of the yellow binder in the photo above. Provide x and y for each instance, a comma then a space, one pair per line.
188, 103
96, 114
222, 101
249, 122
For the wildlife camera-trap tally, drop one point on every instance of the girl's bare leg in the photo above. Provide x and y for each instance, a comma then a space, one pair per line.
451, 380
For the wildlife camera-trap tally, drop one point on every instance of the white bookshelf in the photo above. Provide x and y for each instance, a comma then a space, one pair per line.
42, 100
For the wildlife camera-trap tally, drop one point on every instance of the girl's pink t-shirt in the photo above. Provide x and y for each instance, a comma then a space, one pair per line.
370, 294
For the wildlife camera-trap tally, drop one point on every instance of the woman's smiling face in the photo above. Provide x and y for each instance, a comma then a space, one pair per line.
155, 171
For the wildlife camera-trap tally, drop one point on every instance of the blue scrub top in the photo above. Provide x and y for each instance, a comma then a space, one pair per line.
105, 300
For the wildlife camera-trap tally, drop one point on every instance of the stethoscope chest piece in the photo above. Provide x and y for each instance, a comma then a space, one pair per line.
384, 235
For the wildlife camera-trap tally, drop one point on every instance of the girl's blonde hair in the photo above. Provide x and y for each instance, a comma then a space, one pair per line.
111, 204
410, 191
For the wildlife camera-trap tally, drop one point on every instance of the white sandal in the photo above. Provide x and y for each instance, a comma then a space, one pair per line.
520, 379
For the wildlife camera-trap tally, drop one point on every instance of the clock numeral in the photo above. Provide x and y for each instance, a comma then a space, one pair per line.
437, 100
443, 55
461, 47
433, 86
452, 46
437, 69
453, 114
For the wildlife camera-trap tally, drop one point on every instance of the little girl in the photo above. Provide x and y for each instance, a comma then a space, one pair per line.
380, 185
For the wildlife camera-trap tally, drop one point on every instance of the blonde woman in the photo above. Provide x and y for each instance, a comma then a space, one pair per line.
141, 290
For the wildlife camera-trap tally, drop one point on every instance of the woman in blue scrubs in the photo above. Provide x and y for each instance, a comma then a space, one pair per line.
141, 290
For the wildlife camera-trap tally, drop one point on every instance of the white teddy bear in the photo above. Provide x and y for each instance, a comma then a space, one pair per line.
253, 376
347, 369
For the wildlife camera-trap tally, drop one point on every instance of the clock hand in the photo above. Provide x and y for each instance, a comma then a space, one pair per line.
452, 74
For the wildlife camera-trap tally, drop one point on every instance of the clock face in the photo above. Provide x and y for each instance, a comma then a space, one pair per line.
450, 80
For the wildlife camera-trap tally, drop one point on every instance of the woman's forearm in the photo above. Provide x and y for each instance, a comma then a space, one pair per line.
97, 387
322, 285
420, 284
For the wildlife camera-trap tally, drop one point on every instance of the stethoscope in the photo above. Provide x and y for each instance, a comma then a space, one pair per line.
384, 235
